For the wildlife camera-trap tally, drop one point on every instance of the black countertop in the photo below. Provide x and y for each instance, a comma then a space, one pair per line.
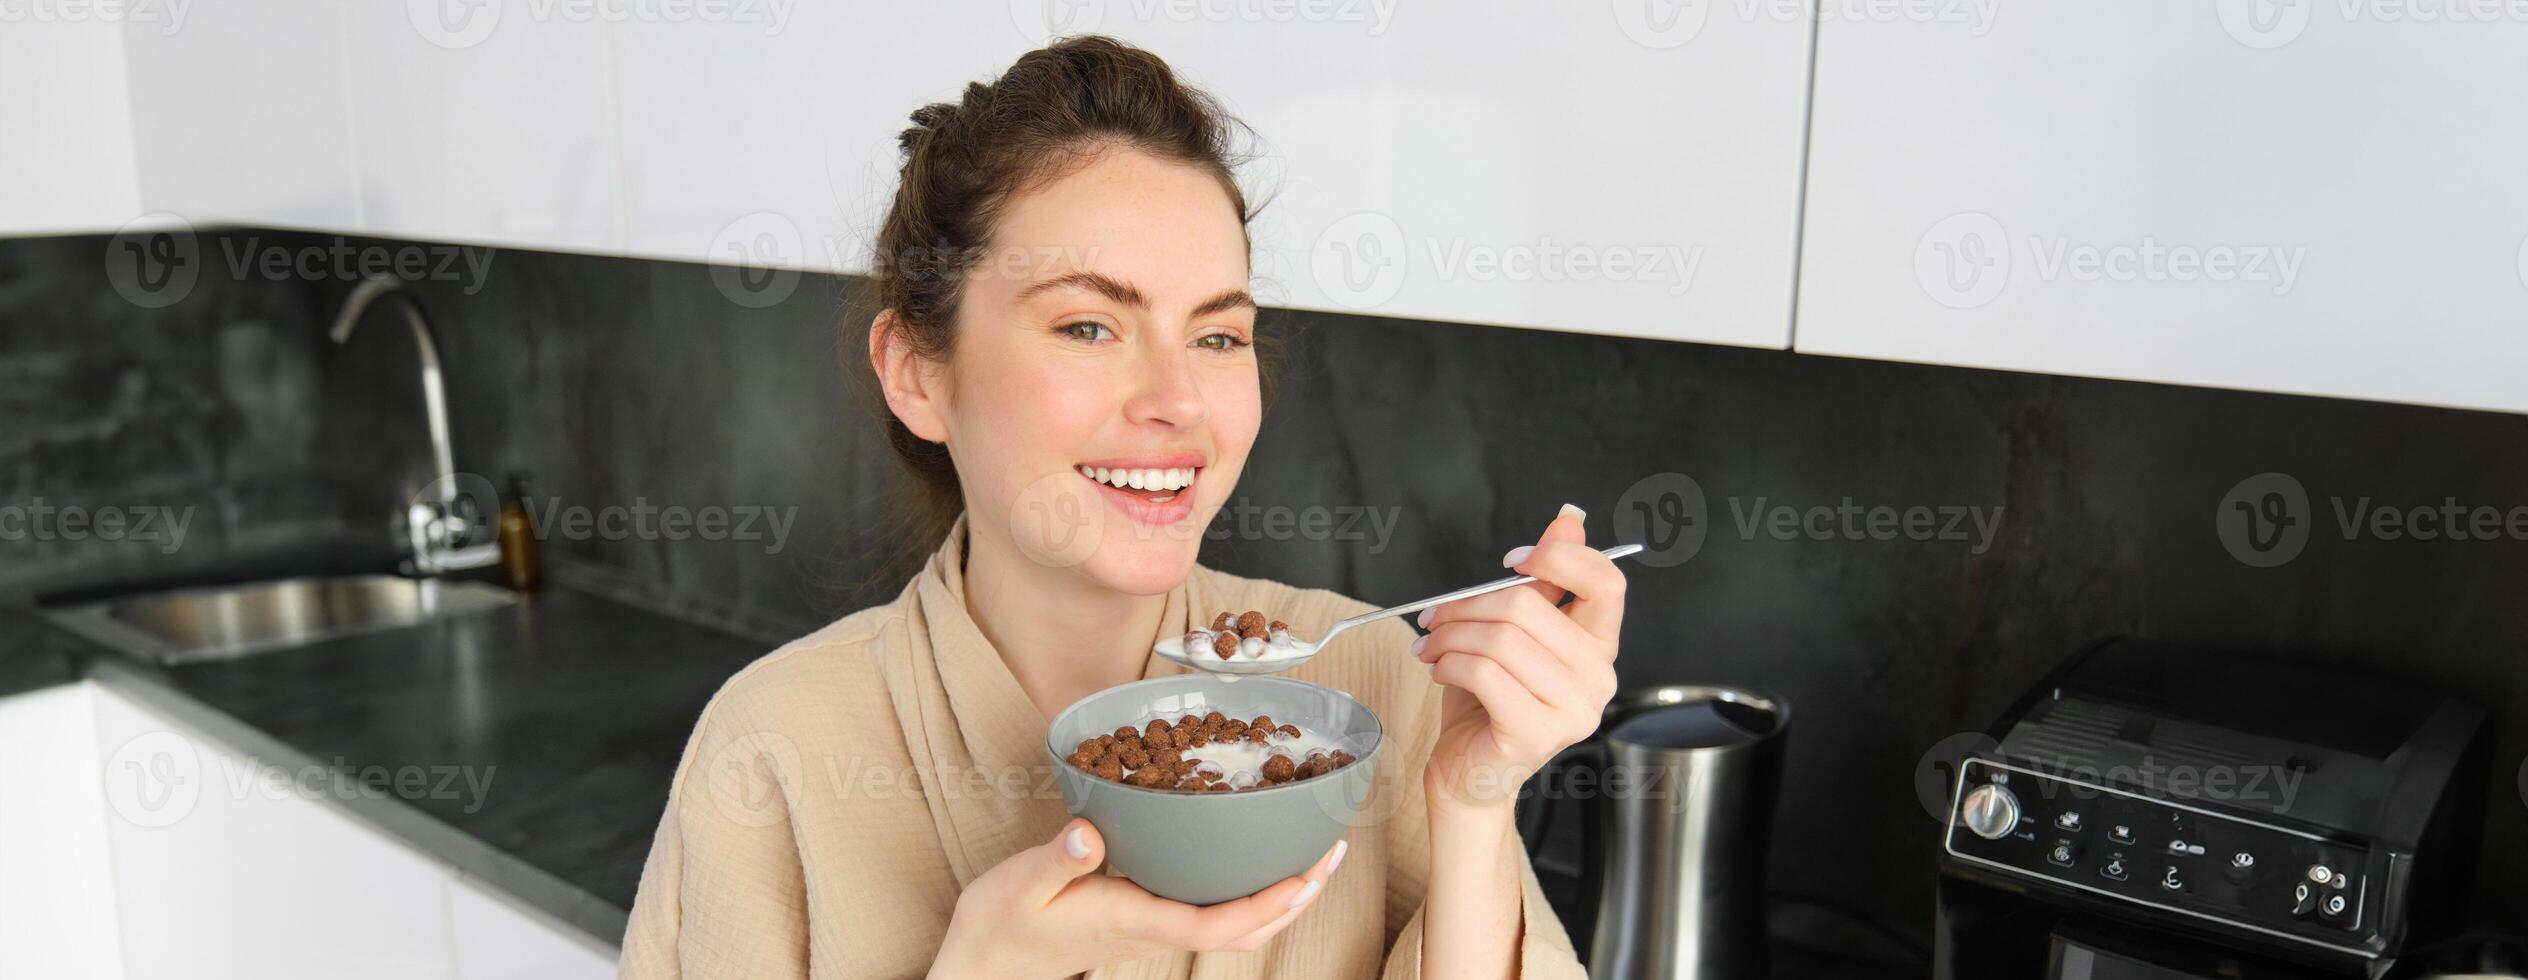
558, 722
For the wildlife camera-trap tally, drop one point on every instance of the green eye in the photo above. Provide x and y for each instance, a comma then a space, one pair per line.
1074, 330
1228, 341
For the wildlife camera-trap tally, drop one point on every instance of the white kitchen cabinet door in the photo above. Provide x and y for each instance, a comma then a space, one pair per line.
66, 161
486, 124
497, 940
238, 114
1625, 170
1628, 168
766, 137
2298, 197
56, 875
222, 869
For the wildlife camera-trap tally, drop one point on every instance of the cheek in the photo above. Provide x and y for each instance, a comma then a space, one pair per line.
1028, 417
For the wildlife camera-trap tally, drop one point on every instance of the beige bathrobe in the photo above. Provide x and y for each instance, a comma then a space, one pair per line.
838, 793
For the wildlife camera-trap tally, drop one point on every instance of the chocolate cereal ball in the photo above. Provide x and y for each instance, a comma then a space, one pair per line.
1110, 769
1251, 623
1279, 769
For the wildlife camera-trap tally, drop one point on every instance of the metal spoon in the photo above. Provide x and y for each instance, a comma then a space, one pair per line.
1277, 658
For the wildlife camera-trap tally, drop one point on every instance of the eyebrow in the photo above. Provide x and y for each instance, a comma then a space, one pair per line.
1123, 292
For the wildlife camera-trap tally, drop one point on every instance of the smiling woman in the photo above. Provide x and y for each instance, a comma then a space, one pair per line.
1068, 359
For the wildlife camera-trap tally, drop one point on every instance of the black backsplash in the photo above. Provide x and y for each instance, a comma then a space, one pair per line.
1428, 449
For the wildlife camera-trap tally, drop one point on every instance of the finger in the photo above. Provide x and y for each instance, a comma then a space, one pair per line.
1509, 703
1184, 926
1566, 527
1322, 873
1541, 619
1073, 852
1593, 580
1545, 676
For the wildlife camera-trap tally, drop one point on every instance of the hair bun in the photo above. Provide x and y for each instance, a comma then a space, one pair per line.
927, 120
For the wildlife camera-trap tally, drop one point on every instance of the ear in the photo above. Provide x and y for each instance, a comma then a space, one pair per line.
911, 393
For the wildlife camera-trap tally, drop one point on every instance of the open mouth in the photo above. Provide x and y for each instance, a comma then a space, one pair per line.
1156, 485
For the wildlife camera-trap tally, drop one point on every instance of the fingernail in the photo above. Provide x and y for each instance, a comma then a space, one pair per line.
1517, 555
1341, 847
1075, 843
1305, 893
1572, 511
1423, 619
1418, 643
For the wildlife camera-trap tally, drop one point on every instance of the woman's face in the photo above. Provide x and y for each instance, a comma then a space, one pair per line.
1109, 329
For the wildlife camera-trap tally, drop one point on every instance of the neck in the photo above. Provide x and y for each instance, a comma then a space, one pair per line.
1063, 636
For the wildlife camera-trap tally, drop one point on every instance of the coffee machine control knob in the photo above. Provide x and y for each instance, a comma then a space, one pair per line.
1990, 811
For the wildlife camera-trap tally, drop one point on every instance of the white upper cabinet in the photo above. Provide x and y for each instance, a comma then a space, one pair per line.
2321, 198
66, 162
482, 123
1628, 168
1629, 171
238, 115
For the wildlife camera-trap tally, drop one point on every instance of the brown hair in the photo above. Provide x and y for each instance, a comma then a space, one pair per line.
963, 163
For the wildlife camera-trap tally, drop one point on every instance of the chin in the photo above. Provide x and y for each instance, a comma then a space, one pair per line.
1134, 565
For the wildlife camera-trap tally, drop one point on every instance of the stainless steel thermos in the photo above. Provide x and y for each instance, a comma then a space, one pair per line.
1678, 798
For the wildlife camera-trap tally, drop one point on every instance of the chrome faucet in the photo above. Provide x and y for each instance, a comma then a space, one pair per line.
448, 531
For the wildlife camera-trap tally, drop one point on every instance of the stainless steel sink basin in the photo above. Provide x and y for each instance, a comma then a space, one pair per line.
239, 620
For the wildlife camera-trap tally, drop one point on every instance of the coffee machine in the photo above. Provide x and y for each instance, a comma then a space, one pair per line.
2154, 812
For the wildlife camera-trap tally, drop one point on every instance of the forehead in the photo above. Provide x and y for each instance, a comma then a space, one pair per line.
1167, 228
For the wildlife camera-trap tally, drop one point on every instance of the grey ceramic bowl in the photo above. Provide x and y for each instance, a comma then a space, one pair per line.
1202, 847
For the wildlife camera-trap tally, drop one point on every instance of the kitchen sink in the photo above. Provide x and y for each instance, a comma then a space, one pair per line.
188, 625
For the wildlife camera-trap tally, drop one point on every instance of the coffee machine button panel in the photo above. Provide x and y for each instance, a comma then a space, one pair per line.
2158, 855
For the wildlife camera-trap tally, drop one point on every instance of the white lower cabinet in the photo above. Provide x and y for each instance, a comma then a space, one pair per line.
56, 878
497, 940
222, 865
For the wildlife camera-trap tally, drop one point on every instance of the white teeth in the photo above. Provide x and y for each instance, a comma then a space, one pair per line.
1175, 478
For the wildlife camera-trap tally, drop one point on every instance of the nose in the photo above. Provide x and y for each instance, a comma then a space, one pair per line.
1164, 390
